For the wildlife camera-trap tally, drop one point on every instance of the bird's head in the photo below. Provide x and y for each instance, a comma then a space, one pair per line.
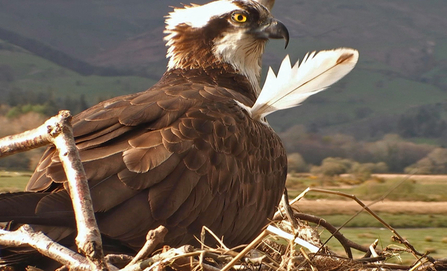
229, 33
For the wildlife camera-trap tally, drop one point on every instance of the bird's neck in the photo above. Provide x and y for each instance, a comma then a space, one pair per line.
193, 56
223, 76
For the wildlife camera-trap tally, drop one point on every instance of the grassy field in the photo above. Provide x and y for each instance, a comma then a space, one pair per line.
433, 240
424, 224
395, 187
12, 181
415, 207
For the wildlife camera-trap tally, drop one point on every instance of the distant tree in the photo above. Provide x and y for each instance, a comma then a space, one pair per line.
434, 163
363, 171
332, 166
424, 122
23, 109
396, 152
296, 163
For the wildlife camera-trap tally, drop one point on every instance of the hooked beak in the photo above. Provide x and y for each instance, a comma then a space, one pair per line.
273, 30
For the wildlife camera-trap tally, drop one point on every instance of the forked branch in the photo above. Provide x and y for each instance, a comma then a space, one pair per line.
57, 130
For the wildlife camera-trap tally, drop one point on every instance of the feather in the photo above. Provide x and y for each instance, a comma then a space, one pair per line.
294, 84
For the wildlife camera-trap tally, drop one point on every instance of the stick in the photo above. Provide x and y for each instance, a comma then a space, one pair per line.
88, 239
245, 251
37, 240
153, 238
308, 259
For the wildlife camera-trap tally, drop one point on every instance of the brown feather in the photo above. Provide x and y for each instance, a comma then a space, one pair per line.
139, 181
109, 193
166, 197
141, 160
187, 159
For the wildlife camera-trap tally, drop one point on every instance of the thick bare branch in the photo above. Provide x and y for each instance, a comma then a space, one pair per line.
88, 239
57, 130
35, 138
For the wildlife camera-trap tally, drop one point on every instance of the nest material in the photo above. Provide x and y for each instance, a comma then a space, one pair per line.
271, 252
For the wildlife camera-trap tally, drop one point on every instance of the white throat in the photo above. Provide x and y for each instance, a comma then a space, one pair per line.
244, 54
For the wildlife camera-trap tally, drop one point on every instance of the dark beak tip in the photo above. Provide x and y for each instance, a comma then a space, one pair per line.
287, 41
285, 33
281, 31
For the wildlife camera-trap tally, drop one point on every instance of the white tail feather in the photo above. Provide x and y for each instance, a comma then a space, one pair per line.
294, 84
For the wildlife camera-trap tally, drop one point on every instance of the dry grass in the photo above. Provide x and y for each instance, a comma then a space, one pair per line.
325, 207
423, 178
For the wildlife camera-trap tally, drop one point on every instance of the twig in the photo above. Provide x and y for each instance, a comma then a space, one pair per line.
346, 243
190, 264
169, 256
372, 248
308, 259
153, 238
202, 241
39, 241
113, 260
245, 250
288, 209
367, 209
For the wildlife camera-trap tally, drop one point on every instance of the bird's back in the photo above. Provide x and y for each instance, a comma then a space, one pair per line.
182, 154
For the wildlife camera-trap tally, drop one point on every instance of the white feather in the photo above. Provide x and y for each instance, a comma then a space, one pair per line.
294, 84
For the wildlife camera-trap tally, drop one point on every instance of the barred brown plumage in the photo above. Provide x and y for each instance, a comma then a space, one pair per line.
183, 153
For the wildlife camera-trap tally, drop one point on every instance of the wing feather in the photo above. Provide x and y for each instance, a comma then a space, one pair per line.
171, 157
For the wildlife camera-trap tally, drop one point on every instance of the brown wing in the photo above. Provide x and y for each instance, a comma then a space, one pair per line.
183, 156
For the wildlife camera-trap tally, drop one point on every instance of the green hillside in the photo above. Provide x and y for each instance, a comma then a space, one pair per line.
30, 73
401, 72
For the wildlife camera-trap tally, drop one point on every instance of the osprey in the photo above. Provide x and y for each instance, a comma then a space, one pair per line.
195, 149
184, 153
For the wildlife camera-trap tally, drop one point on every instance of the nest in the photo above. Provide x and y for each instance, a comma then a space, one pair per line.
292, 242
271, 251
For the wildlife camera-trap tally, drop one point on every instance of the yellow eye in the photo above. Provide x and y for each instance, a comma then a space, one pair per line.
239, 17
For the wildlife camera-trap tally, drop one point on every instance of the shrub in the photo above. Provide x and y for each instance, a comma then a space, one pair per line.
296, 163
332, 166
434, 163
